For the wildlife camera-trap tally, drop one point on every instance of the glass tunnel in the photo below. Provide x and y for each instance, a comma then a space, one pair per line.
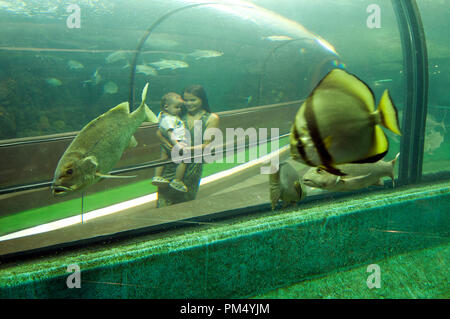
72, 78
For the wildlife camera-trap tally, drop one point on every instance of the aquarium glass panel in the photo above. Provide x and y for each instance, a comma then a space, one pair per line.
437, 144
80, 148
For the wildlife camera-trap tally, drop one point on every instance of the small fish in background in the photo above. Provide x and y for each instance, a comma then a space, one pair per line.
116, 56
95, 79
110, 88
75, 65
277, 38
382, 81
357, 176
338, 124
205, 54
53, 81
98, 147
433, 140
285, 184
249, 99
146, 69
169, 64
127, 65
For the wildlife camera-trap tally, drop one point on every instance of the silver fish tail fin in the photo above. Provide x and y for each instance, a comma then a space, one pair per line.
150, 116
395, 159
141, 112
392, 169
144, 93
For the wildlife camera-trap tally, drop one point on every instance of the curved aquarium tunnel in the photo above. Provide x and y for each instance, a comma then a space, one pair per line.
63, 65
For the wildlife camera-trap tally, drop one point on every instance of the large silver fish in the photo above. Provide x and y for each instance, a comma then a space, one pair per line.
204, 54
169, 64
98, 147
285, 185
357, 176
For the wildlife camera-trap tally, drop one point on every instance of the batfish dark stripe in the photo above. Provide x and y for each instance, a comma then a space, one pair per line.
313, 129
301, 148
372, 159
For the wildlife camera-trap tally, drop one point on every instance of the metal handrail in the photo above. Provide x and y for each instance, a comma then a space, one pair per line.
147, 165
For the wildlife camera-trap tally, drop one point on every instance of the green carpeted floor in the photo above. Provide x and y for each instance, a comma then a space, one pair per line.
418, 274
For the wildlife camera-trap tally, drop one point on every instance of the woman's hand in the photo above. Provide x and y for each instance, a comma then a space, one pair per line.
163, 140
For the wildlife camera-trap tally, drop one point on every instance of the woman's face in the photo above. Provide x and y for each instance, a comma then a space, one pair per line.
192, 102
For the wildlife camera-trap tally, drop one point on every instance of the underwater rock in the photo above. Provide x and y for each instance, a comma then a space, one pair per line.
59, 125
44, 123
433, 140
110, 88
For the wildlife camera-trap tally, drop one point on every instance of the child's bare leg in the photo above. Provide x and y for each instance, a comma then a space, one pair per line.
181, 169
160, 169
158, 180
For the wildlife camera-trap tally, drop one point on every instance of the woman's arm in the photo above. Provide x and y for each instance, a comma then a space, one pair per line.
213, 122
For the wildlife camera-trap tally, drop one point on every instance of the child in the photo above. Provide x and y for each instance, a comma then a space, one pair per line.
172, 128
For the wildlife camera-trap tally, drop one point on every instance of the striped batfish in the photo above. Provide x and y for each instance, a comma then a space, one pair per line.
338, 124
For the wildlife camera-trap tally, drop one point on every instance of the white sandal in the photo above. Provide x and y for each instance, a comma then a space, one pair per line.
159, 181
178, 185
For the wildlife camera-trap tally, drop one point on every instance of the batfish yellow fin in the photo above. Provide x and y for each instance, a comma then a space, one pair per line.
342, 80
379, 147
112, 176
389, 116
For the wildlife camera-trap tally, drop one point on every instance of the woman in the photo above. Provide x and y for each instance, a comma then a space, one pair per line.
196, 109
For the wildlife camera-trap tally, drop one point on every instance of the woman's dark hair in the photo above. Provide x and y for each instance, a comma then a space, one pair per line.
199, 92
